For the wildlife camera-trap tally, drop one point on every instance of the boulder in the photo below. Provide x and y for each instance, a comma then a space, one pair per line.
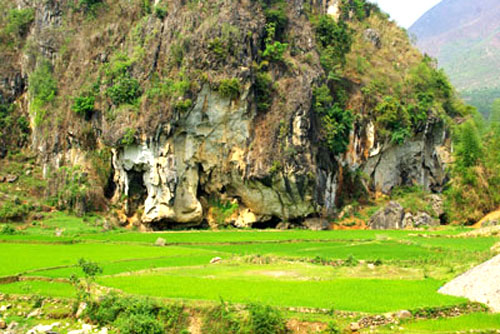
354, 327
436, 202
35, 313
4, 308
317, 224
283, 226
215, 260
408, 220
388, 218
423, 219
373, 36
81, 308
403, 314
39, 329
160, 242
11, 178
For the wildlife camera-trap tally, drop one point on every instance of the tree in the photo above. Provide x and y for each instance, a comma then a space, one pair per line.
469, 149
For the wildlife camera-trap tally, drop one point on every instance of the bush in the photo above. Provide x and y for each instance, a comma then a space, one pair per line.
89, 6
262, 90
8, 230
42, 89
265, 319
161, 12
83, 106
393, 120
230, 88
222, 319
138, 323
125, 90
336, 122
335, 40
274, 50
19, 21
132, 315
218, 48
129, 137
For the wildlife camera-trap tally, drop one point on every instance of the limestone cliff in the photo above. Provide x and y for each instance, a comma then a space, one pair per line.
240, 112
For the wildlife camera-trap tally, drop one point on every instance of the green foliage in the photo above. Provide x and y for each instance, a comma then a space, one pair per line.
358, 9
221, 319
125, 90
7, 230
161, 12
393, 120
274, 50
336, 122
89, 7
351, 261
333, 328
132, 315
230, 88
275, 13
264, 319
334, 41
128, 137
468, 146
83, 105
183, 106
473, 190
218, 48
71, 185
90, 269
482, 99
19, 21
263, 89
222, 210
42, 89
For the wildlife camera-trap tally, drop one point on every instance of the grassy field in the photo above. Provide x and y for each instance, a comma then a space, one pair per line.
365, 272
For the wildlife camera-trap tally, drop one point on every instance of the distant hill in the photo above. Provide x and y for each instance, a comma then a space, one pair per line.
464, 35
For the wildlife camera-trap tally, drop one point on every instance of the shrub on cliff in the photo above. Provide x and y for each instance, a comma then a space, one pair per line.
83, 105
230, 88
334, 40
19, 21
42, 89
336, 121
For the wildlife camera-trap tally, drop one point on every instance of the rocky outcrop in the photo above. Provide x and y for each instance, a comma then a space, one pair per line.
198, 155
417, 161
393, 217
480, 284
388, 218
205, 156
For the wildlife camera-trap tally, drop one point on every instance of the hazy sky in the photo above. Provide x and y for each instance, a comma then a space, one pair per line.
406, 12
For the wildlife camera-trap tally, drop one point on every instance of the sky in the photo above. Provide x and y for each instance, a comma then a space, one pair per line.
406, 12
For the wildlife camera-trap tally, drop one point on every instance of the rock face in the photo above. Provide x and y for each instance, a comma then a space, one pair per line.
479, 284
206, 154
388, 218
418, 161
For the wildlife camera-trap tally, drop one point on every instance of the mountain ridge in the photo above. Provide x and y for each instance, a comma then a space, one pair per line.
465, 38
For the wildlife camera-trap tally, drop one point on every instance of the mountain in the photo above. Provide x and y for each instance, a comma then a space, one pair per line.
464, 35
185, 112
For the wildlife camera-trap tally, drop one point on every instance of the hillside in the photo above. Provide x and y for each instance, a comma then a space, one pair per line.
245, 112
465, 37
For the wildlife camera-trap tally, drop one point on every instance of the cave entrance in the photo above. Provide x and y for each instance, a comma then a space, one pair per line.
267, 224
137, 191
